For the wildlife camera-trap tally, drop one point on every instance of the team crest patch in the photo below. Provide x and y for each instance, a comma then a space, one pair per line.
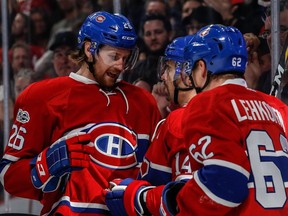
115, 146
100, 18
22, 116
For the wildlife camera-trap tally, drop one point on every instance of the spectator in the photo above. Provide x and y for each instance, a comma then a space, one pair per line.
22, 80
188, 7
41, 27
156, 35
257, 46
20, 57
56, 62
200, 17
63, 44
258, 72
157, 7
89, 6
246, 16
283, 18
161, 7
20, 31
135, 12
72, 17
27, 6
44, 68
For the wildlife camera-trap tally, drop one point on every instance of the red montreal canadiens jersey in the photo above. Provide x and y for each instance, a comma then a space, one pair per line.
166, 159
121, 124
238, 150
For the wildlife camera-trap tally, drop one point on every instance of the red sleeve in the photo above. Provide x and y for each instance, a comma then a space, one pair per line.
25, 143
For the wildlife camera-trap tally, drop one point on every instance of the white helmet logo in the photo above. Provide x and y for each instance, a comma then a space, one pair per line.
204, 32
127, 26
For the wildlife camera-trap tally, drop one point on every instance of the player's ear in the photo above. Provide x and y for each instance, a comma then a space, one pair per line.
200, 73
202, 68
87, 52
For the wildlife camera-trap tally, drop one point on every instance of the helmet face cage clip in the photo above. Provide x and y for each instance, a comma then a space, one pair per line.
174, 57
168, 66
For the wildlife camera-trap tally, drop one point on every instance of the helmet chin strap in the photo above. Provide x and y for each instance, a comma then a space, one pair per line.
176, 91
199, 89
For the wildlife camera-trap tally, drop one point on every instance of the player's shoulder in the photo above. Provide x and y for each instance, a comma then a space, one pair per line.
272, 99
45, 88
175, 115
49, 83
174, 120
207, 98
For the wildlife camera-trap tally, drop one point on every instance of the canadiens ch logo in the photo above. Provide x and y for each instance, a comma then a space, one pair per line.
115, 146
100, 18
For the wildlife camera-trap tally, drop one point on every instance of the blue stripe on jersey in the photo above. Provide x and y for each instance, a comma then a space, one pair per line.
4, 163
156, 177
141, 149
223, 182
80, 209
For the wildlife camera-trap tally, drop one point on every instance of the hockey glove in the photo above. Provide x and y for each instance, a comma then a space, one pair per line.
168, 200
126, 197
54, 164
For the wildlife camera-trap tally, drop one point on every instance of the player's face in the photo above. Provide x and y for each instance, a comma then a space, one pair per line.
169, 78
110, 62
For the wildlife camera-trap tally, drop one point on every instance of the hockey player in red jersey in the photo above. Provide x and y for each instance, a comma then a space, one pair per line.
235, 136
167, 158
72, 135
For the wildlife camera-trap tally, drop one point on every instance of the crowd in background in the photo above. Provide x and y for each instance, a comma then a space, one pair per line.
42, 33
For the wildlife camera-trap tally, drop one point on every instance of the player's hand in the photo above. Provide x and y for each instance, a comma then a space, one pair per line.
161, 95
168, 200
252, 43
53, 164
126, 197
253, 71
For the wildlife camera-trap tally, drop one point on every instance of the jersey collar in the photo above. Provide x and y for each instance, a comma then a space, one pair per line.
236, 81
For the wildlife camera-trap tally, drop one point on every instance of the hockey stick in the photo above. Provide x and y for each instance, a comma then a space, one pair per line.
280, 70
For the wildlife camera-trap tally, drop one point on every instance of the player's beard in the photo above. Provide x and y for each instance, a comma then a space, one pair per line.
106, 81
